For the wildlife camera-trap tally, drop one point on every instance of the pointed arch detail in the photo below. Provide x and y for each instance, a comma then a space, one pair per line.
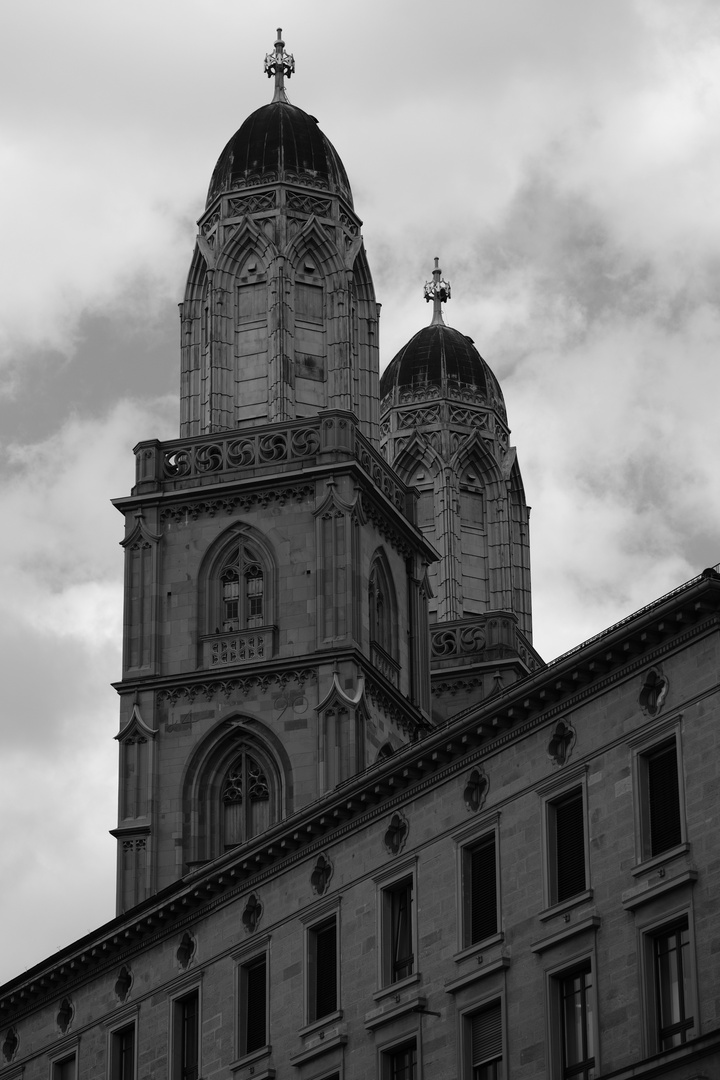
237, 598
237, 784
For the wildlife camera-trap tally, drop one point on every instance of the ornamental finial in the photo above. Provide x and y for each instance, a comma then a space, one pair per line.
279, 64
437, 290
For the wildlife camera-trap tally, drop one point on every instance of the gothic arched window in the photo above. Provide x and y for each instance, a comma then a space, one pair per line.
242, 590
248, 802
382, 608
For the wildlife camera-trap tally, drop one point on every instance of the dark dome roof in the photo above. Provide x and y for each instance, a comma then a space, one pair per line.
279, 142
441, 357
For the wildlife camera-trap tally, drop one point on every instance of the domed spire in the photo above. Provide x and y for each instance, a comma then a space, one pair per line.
437, 290
279, 64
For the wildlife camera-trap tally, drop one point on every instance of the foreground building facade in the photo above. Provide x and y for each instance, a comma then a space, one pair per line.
364, 831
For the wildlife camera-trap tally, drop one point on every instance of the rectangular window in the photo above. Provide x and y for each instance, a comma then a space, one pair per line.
66, 1069
661, 823
186, 1035
122, 1054
572, 1023
672, 988
566, 853
400, 1063
485, 1036
397, 931
253, 1005
322, 969
480, 902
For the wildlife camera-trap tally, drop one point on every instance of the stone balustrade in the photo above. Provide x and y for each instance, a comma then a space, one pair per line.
334, 436
240, 647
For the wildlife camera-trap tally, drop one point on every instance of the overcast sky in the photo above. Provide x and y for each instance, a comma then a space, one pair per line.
562, 158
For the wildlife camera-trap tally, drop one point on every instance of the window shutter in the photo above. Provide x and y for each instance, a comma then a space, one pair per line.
325, 970
569, 846
255, 1001
483, 891
487, 1035
663, 799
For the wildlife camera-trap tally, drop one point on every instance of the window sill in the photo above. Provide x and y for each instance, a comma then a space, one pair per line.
500, 964
391, 1010
322, 1043
479, 947
323, 1022
250, 1059
566, 905
396, 987
644, 894
590, 922
648, 865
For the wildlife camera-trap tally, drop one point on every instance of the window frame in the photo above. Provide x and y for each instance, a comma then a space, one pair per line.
388, 885
120, 1025
69, 1050
175, 1062
466, 1017
649, 933
316, 921
644, 746
246, 959
554, 794
468, 840
387, 1051
555, 977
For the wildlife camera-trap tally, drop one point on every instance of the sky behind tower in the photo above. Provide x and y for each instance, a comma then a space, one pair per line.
563, 161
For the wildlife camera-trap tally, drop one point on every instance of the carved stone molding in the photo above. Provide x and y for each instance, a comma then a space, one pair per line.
321, 875
385, 527
562, 742
250, 204
242, 684
123, 984
252, 914
475, 790
653, 693
396, 833
10, 1045
210, 507
65, 1015
186, 950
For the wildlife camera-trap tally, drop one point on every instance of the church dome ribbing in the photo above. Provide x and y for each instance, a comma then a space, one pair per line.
280, 142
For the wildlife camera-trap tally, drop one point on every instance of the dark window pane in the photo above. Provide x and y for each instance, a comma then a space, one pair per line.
483, 891
569, 846
663, 799
324, 945
255, 1006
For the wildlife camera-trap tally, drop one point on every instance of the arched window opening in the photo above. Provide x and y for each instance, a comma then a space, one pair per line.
247, 805
243, 588
380, 611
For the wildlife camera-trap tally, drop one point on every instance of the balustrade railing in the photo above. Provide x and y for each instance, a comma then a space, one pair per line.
384, 663
244, 647
333, 435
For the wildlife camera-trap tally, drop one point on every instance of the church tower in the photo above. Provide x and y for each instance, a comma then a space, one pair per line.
444, 430
276, 636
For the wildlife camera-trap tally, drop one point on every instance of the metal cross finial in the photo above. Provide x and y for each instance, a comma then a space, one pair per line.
279, 64
437, 290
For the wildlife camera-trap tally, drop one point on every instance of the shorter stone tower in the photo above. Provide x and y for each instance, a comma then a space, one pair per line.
444, 430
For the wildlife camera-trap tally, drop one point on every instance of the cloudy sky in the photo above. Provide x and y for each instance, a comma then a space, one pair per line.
563, 160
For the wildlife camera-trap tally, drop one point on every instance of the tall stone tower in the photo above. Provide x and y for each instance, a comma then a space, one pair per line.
444, 430
276, 636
